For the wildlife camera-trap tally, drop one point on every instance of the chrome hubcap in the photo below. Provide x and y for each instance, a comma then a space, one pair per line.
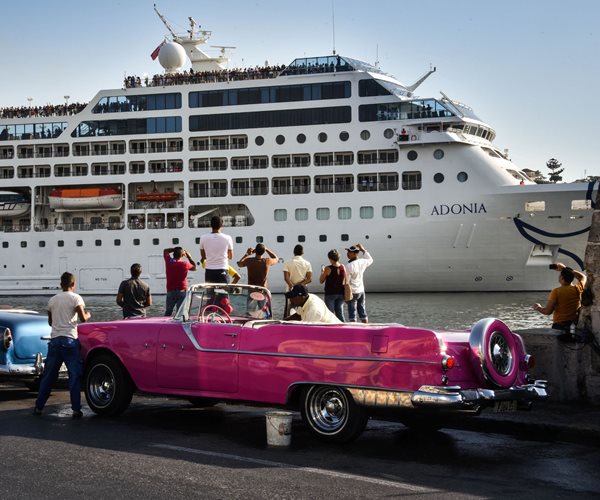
500, 354
328, 409
101, 385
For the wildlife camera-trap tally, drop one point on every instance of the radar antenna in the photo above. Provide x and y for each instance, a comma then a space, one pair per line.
167, 25
223, 48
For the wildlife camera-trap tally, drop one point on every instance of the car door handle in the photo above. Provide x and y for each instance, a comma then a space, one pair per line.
230, 334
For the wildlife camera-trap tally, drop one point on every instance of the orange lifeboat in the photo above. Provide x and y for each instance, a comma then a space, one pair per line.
71, 199
156, 196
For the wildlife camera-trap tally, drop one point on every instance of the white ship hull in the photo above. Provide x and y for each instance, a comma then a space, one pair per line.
425, 191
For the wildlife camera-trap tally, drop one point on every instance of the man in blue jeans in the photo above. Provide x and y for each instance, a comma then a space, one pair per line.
63, 311
356, 268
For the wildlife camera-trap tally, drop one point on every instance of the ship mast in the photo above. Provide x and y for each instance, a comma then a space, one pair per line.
200, 60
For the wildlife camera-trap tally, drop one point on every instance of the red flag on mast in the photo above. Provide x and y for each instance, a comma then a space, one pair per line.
155, 52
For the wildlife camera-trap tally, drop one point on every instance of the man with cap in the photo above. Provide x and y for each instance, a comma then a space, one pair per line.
356, 268
308, 307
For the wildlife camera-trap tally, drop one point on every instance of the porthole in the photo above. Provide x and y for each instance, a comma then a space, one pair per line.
117, 243
198, 241
42, 244
322, 238
260, 239
60, 243
322, 137
462, 177
280, 239
239, 239
344, 136
5, 244
136, 242
439, 178
412, 155
301, 238
23, 244
438, 154
175, 241
98, 243
301, 138
79, 243
155, 241
365, 135
280, 139
345, 237
260, 140
388, 133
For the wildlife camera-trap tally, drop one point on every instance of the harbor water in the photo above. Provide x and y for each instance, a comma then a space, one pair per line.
429, 310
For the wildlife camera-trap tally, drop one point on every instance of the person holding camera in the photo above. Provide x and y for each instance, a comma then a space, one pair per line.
564, 301
258, 266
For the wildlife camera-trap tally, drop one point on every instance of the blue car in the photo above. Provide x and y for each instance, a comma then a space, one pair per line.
24, 339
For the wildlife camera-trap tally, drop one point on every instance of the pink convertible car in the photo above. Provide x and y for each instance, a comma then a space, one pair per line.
224, 345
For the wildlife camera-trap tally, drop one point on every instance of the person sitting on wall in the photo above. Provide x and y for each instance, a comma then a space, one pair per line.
564, 301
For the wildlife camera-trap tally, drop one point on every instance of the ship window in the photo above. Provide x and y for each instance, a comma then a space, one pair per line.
365, 134
322, 137
367, 157
462, 177
155, 241
344, 183
260, 239
136, 242
301, 214
367, 182
280, 139
323, 159
117, 243
388, 182
412, 155
98, 243
136, 167
42, 244
388, 211
438, 154
344, 136
301, 160
240, 187
240, 163
388, 133
324, 184
366, 212
79, 243
411, 180
281, 161
344, 213
23, 244
344, 158
238, 239
282, 185
280, 239
259, 161
175, 241
438, 178
323, 213
280, 214
301, 238
535, 206
300, 185
301, 138
412, 210
387, 156
581, 204
259, 140
60, 243
322, 237
5, 245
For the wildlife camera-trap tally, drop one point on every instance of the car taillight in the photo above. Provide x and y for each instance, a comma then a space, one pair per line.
6, 339
529, 361
448, 362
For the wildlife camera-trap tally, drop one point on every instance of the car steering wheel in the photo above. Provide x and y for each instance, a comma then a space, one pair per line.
216, 316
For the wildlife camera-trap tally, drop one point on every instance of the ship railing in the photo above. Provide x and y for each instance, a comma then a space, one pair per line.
14, 229
77, 227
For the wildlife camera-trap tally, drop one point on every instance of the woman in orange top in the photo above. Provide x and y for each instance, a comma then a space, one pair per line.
564, 301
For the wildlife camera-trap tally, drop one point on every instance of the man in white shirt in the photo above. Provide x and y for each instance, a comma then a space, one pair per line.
356, 268
309, 307
216, 250
63, 311
297, 271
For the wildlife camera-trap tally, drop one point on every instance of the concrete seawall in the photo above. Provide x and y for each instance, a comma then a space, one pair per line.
571, 369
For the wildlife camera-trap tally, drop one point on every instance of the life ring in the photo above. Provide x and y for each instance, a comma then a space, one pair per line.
413, 137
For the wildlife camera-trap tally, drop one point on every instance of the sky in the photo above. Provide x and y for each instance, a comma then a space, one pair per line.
527, 67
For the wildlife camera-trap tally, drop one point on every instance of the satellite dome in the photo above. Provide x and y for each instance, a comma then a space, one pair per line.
172, 56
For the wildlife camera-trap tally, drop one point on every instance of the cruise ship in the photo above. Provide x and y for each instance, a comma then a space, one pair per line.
325, 152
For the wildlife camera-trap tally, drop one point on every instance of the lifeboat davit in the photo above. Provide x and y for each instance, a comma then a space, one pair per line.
156, 196
13, 204
71, 199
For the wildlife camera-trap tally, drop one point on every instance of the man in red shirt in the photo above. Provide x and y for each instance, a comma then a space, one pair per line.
176, 271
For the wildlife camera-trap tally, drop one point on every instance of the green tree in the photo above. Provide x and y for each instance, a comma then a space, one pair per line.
554, 166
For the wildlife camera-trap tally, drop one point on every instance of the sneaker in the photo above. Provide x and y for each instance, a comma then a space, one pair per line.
37, 411
77, 414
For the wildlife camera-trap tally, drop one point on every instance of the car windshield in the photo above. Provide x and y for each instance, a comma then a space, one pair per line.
238, 301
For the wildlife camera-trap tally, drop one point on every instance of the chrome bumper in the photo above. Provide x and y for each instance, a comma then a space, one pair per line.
429, 396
